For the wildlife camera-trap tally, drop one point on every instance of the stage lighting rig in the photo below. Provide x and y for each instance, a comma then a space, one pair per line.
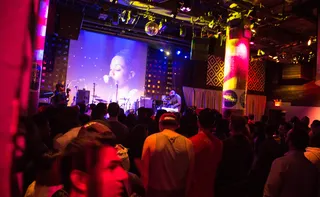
163, 25
182, 31
186, 5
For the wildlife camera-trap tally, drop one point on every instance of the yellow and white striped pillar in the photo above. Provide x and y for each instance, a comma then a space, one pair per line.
236, 66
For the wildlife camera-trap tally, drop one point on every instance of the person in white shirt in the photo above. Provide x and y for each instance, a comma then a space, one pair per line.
167, 161
293, 175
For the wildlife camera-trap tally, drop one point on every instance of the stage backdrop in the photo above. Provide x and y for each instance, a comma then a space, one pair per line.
109, 64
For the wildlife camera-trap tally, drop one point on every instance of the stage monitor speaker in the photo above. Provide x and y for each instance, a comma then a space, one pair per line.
200, 49
83, 96
145, 102
69, 22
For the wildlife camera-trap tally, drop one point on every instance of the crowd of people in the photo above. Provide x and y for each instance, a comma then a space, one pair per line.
101, 151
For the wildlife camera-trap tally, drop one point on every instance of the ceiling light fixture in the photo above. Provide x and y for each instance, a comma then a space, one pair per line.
185, 6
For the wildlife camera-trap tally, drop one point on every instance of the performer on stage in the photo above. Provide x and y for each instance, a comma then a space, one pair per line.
60, 96
123, 79
174, 101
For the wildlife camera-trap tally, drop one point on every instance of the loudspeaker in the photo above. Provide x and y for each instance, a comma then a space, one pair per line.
199, 49
194, 73
202, 47
69, 22
145, 102
83, 96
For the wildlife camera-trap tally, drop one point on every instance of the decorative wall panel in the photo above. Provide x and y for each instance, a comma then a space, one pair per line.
215, 71
256, 77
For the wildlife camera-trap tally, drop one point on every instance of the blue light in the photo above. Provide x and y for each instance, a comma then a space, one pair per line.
165, 57
178, 52
161, 50
185, 57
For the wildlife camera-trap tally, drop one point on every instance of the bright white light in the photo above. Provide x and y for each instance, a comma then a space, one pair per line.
161, 50
178, 52
167, 52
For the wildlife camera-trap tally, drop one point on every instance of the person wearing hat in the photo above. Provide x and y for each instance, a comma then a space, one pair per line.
167, 161
59, 97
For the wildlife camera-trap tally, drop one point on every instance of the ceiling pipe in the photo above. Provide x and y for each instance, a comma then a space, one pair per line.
121, 27
133, 35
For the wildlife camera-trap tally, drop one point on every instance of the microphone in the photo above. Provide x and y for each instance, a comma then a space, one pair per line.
108, 79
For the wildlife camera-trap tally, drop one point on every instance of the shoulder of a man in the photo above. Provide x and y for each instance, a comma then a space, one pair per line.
281, 163
150, 141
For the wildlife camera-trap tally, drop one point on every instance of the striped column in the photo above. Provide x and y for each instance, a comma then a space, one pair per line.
38, 56
236, 69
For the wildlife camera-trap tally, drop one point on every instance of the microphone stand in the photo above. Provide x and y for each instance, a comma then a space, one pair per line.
117, 89
94, 93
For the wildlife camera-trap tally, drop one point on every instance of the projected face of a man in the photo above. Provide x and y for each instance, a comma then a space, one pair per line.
118, 70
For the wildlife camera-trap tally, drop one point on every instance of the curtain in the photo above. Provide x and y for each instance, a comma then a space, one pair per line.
256, 105
205, 98
188, 94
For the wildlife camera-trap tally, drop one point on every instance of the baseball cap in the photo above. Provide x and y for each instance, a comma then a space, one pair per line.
98, 129
168, 118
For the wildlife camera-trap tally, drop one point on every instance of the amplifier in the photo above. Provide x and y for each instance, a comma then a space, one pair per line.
83, 96
145, 102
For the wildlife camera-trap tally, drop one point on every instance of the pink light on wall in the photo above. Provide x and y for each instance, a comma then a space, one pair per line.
36, 71
236, 70
242, 51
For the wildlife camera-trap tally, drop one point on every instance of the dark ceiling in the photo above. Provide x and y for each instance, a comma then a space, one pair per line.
283, 27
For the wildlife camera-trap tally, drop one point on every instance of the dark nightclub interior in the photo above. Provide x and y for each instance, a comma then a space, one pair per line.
160, 98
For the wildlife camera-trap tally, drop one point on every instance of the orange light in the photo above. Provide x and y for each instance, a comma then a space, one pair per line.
277, 102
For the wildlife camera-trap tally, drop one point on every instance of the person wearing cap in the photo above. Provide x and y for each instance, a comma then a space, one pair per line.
59, 97
167, 161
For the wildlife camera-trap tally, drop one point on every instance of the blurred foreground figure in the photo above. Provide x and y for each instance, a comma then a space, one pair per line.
15, 66
92, 168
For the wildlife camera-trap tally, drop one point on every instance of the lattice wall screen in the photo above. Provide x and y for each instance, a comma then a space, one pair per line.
256, 79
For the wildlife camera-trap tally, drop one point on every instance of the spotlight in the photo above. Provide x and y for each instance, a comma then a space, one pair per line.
309, 42
185, 6
162, 26
252, 43
178, 52
123, 16
161, 50
260, 52
182, 31
185, 57
167, 53
132, 17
